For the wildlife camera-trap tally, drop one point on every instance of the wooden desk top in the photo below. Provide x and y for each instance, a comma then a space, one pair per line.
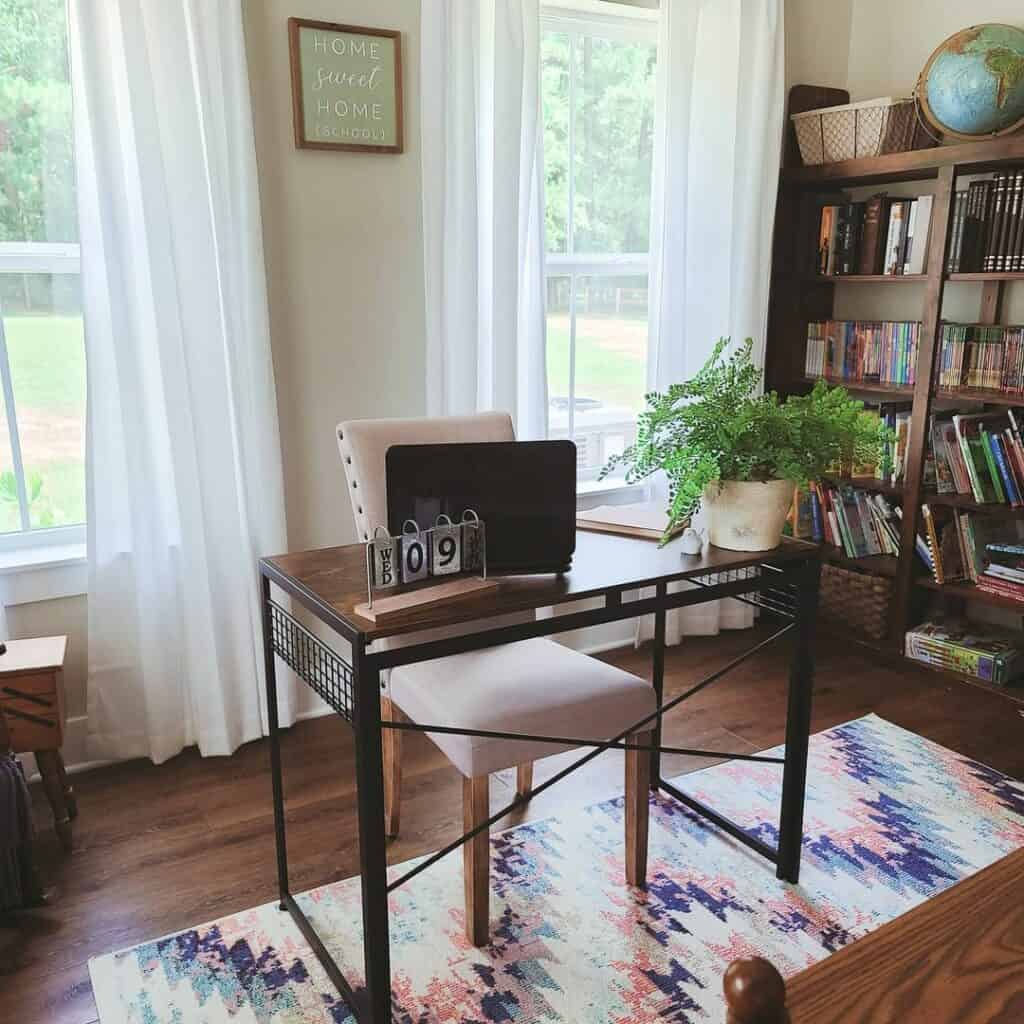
957, 957
602, 562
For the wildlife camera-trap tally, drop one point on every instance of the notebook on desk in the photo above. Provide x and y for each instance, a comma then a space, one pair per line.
646, 520
524, 491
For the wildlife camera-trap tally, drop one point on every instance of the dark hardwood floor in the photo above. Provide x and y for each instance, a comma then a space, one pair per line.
159, 849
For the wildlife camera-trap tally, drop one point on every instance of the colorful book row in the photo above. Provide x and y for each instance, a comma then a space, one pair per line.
859, 522
981, 356
863, 351
981, 455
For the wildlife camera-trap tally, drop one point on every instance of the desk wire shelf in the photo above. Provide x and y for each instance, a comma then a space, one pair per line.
313, 660
780, 601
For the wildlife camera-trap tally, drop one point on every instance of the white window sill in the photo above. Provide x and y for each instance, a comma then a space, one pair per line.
42, 573
615, 491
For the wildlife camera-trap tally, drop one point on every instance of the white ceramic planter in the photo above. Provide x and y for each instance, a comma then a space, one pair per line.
746, 515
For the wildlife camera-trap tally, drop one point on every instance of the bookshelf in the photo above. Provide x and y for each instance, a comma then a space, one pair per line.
799, 297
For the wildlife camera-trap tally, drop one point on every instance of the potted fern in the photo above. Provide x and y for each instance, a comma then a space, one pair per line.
741, 454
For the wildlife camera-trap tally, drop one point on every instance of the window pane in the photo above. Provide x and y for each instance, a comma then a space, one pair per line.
555, 102
611, 365
614, 145
10, 514
46, 348
558, 299
37, 194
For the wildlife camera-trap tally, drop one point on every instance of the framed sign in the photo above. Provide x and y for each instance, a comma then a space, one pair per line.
346, 86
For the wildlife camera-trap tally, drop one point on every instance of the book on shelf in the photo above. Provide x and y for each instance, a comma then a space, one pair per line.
987, 233
990, 653
945, 545
804, 519
976, 548
872, 240
859, 523
920, 544
878, 236
980, 455
863, 351
988, 356
1002, 571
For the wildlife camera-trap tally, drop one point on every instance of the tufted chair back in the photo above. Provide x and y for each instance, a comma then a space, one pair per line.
363, 445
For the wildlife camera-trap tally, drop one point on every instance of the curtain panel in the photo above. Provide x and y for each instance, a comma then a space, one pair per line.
718, 139
483, 209
185, 488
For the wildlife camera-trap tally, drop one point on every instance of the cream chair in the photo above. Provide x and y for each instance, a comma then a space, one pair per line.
533, 686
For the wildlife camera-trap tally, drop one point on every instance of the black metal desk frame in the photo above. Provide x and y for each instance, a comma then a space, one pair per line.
789, 592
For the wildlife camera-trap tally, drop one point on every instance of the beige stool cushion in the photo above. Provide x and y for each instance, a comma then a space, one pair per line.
533, 686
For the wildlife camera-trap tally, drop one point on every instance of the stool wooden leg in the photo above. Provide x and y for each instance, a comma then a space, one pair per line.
391, 743
524, 780
638, 782
476, 860
54, 789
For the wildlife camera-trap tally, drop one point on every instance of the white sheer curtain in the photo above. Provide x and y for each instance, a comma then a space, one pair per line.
483, 209
184, 468
718, 128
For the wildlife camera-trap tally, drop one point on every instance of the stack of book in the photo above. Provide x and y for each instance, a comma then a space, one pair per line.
981, 356
1004, 571
971, 546
858, 522
983, 652
981, 455
987, 233
863, 351
880, 236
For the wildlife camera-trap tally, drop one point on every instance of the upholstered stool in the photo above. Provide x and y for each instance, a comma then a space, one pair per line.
537, 687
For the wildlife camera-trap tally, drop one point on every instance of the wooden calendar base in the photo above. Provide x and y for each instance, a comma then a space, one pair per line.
387, 609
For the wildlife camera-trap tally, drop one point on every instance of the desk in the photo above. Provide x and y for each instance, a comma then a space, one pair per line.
956, 957
329, 583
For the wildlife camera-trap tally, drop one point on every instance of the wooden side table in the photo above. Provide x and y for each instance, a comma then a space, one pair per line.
32, 702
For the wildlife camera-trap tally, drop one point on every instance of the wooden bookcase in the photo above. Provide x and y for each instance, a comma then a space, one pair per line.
798, 296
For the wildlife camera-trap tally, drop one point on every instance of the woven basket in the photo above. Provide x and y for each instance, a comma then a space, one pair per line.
855, 600
852, 130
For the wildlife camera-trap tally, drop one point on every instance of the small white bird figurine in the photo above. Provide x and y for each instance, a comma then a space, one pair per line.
692, 541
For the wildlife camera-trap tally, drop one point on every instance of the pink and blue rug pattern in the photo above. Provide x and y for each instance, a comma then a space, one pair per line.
891, 819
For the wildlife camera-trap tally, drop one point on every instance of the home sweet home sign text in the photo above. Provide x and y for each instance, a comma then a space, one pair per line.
346, 86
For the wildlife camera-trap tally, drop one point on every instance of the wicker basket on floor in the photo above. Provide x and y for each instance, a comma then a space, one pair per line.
855, 600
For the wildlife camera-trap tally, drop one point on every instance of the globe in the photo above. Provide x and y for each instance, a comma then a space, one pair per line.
973, 84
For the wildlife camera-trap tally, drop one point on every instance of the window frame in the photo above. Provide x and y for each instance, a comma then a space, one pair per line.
625, 24
32, 258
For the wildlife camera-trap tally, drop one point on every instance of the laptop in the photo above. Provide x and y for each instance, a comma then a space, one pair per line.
524, 491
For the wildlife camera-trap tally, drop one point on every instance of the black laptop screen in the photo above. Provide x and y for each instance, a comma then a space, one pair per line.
524, 491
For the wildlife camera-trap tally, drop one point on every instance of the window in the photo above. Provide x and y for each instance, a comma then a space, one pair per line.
42, 349
598, 104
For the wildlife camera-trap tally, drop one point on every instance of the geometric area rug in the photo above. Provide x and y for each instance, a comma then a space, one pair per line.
891, 819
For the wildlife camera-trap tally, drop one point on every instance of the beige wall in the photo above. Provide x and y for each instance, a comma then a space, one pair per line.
344, 254
817, 42
891, 41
